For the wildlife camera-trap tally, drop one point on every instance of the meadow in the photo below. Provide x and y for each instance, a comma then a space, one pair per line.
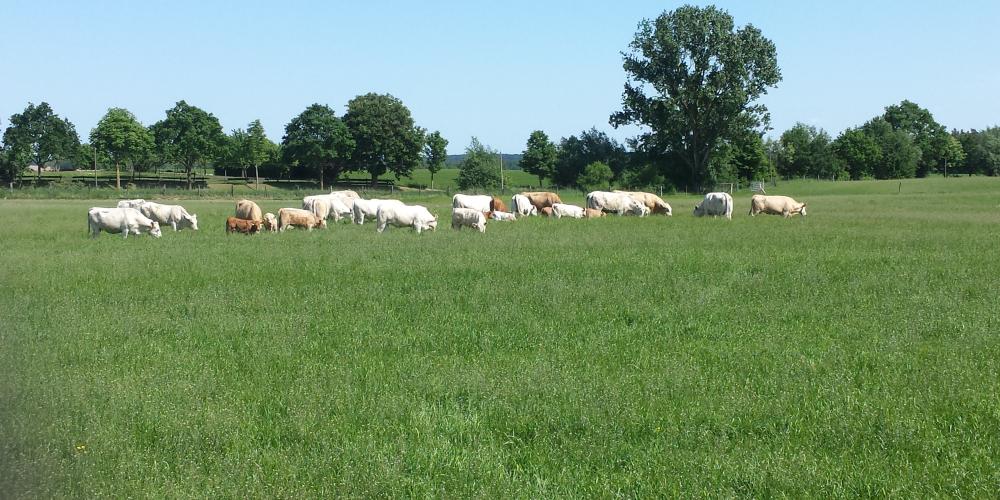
853, 352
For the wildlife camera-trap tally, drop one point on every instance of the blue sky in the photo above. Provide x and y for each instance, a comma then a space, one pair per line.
491, 69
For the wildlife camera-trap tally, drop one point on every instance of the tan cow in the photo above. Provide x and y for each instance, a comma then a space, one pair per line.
246, 209
496, 205
298, 218
654, 203
776, 205
541, 199
592, 213
545, 212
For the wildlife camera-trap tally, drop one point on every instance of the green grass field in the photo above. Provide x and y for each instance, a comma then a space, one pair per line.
854, 352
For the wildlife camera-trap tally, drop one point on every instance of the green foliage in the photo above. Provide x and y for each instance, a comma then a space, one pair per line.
188, 136
596, 176
384, 134
900, 155
703, 77
742, 158
807, 152
435, 153
926, 134
248, 149
574, 154
859, 152
539, 157
982, 150
318, 143
38, 135
122, 139
481, 167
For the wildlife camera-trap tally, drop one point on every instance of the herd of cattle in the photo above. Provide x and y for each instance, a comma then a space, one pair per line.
141, 216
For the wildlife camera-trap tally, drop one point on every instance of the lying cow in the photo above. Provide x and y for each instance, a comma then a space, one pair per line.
545, 212
502, 216
592, 213
541, 199
560, 210
654, 203
776, 205
245, 226
415, 216
120, 220
368, 209
297, 217
616, 203
270, 222
246, 209
520, 205
136, 203
480, 203
469, 218
175, 215
715, 204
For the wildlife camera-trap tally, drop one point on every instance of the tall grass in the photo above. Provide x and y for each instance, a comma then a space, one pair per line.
853, 352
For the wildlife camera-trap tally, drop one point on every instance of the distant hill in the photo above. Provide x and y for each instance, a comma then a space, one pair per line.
510, 162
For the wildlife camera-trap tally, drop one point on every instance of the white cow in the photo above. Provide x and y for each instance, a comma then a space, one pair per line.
339, 203
475, 202
175, 215
136, 203
415, 216
715, 204
368, 209
503, 216
468, 217
270, 222
776, 205
120, 220
618, 203
560, 210
521, 205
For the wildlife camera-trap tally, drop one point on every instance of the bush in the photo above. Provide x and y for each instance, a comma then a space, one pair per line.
596, 175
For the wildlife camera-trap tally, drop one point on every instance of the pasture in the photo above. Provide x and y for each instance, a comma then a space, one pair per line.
854, 352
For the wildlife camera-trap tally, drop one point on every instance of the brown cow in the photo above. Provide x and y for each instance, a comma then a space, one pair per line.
299, 218
246, 209
496, 205
541, 199
592, 213
244, 226
545, 212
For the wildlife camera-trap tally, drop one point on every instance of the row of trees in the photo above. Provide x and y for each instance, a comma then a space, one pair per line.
377, 135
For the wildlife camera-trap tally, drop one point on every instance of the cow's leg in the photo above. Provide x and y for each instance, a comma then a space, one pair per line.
173, 224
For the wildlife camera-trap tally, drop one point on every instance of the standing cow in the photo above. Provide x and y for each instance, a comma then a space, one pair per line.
481, 203
520, 205
541, 199
120, 220
175, 215
415, 216
776, 205
715, 204
368, 209
297, 217
246, 209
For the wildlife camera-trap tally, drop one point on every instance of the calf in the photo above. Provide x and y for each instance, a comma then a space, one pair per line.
245, 226
298, 218
468, 217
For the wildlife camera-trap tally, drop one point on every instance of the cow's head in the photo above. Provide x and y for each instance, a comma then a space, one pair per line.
322, 223
802, 210
190, 221
698, 212
155, 230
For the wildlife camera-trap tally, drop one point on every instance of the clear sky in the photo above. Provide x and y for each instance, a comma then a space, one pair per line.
492, 69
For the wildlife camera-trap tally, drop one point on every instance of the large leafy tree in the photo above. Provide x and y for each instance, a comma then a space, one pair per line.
693, 81
982, 150
189, 136
926, 133
808, 152
859, 152
318, 142
38, 135
249, 148
435, 153
481, 167
539, 156
122, 139
575, 153
900, 155
384, 135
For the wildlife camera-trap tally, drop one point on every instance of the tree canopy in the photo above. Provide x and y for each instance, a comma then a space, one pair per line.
575, 153
318, 142
693, 81
539, 157
595, 176
435, 153
384, 134
38, 135
188, 136
121, 139
481, 167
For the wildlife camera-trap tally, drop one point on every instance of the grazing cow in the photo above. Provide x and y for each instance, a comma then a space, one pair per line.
715, 204
298, 218
654, 203
245, 226
592, 213
541, 199
270, 222
560, 210
136, 203
545, 212
520, 205
368, 209
496, 205
503, 216
776, 205
333, 205
415, 216
246, 209
175, 215
120, 220
468, 217
618, 203
481, 203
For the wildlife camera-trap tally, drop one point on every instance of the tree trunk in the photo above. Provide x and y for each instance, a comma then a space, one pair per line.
256, 174
118, 176
540, 182
321, 169
190, 171
374, 180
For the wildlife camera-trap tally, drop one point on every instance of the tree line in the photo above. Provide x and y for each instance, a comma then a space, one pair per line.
693, 84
